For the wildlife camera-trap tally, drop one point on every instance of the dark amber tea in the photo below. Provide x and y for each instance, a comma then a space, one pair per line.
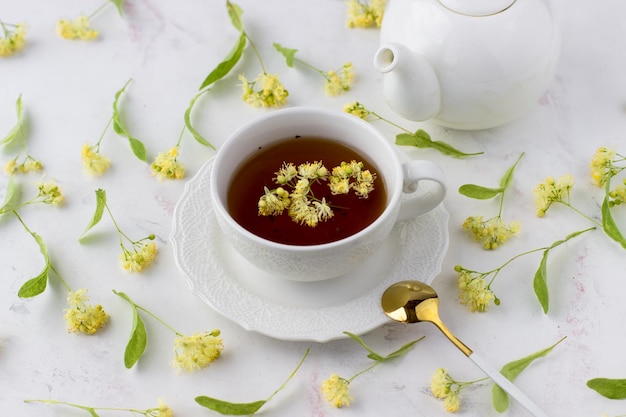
257, 175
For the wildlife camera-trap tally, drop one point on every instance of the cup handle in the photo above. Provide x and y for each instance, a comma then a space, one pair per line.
414, 172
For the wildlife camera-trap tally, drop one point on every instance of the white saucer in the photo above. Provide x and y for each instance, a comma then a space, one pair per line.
299, 311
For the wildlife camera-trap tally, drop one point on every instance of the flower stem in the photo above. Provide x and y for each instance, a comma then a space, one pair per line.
256, 52
98, 10
291, 375
567, 204
67, 286
89, 409
363, 371
102, 135
159, 319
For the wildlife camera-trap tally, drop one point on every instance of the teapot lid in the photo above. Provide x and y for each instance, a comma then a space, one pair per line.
477, 7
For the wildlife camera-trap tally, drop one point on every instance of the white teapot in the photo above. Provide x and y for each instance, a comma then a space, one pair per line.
466, 64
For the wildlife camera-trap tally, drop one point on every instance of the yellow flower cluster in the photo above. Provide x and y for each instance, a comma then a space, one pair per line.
270, 91
162, 410
618, 195
601, 165
197, 351
441, 386
356, 109
93, 162
493, 232
338, 82
364, 15
475, 293
50, 193
78, 29
82, 317
336, 391
13, 40
137, 260
29, 165
302, 206
166, 165
552, 191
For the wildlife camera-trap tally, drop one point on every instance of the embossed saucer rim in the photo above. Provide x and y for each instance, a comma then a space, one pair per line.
297, 311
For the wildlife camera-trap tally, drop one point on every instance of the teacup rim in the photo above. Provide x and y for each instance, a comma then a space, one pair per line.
393, 199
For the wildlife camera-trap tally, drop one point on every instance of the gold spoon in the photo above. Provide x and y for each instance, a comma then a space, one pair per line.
414, 301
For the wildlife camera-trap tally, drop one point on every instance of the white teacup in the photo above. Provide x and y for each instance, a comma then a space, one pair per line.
329, 260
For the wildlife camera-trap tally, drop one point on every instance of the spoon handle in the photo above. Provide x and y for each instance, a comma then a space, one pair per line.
507, 385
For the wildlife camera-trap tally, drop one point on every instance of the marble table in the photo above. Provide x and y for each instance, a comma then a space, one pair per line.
167, 49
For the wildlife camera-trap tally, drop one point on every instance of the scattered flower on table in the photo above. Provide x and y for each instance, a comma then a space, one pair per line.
446, 388
337, 81
94, 163
474, 290
50, 193
83, 317
365, 13
12, 39
140, 254
193, 352
167, 166
418, 139
551, 191
161, 410
492, 233
23, 161
28, 164
80, 28
266, 90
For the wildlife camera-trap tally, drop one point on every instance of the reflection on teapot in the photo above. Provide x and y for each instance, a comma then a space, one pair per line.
466, 64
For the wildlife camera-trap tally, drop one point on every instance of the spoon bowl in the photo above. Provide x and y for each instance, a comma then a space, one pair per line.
414, 302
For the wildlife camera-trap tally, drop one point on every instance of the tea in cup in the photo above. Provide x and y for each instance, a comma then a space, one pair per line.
309, 194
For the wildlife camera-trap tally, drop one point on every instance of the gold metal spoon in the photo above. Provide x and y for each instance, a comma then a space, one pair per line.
414, 301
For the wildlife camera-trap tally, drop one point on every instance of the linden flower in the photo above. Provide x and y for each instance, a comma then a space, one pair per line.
363, 182
336, 391
273, 202
475, 292
78, 29
270, 91
93, 162
50, 193
29, 165
601, 165
443, 386
162, 410
493, 232
357, 109
82, 317
618, 195
166, 165
12, 41
363, 15
197, 351
552, 191
138, 259
338, 82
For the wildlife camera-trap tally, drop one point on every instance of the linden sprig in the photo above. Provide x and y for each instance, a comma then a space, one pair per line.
336, 389
17, 136
337, 81
80, 28
446, 388
13, 38
249, 409
492, 233
476, 293
141, 253
364, 14
161, 410
418, 139
190, 352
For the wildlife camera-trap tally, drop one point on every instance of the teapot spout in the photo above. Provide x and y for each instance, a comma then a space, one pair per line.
410, 84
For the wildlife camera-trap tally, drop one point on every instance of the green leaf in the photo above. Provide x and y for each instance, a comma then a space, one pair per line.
372, 355
540, 281
288, 53
479, 192
196, 135
403, 350
101, 201
421, 139
615, 389
608, 224
506, 179
138, 337
511, 370
224, 67
228, 408
38, 284
118, 5
235, 12
136, 146
11, 198
14, 132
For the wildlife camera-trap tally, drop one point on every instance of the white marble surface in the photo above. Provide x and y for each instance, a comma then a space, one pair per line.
167, 48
